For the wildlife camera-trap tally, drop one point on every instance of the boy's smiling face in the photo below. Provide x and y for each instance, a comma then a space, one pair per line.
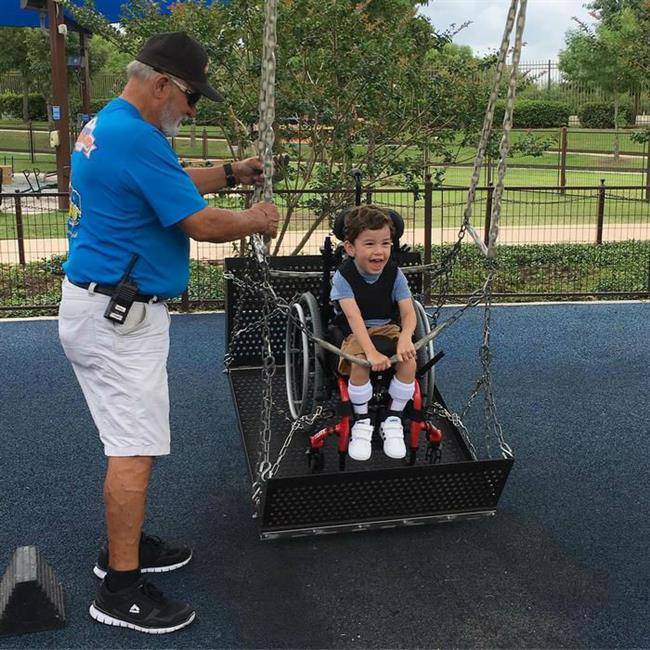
371, 250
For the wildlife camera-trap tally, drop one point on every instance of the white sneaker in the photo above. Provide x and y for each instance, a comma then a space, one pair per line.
393, 434
360, 446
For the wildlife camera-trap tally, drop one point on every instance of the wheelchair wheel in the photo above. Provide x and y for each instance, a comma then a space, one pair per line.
303, 357
422, 328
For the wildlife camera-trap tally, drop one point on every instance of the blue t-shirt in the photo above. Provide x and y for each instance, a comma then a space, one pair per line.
127, 194
341, 289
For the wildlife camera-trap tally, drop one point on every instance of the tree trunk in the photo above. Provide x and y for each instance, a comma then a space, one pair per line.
617, 145
285, 226
310, 231
25, 99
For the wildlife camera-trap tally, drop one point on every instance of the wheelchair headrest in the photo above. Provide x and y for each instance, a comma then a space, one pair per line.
339, 223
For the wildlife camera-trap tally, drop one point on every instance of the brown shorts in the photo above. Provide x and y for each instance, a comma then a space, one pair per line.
353, 347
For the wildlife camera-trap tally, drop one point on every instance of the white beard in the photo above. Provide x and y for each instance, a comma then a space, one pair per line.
169, 124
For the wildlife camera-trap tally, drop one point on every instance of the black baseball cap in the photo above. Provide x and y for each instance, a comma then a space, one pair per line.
179, 55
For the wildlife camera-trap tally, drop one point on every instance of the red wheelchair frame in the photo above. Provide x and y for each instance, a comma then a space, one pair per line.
417, 425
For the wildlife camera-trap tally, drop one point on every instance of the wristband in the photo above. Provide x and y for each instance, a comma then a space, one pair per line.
231, 181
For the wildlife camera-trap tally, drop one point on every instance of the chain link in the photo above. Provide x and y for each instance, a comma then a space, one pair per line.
504, 147
265, 142
268, 470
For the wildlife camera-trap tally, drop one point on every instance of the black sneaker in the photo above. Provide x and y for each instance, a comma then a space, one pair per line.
156, 556
140, 607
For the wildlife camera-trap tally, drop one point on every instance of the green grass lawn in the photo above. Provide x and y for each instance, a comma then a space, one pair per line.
519, 208
216, 148
44, 162
23, 125
595, 140
19, 140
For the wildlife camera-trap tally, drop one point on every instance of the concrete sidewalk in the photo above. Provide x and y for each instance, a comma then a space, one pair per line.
36, 249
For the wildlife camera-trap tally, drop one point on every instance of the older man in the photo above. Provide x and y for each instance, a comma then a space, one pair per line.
133, 210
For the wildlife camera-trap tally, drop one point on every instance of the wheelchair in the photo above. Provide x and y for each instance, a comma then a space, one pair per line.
312, 377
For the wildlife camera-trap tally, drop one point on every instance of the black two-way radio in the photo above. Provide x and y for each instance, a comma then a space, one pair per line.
123, 297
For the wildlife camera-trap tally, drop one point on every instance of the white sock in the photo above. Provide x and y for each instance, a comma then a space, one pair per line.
360, 396
401, 393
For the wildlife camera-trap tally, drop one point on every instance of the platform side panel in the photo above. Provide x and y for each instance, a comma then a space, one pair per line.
248, 453
410, 492
245, 350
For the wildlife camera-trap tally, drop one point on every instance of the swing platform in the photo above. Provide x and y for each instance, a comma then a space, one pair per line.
379, 493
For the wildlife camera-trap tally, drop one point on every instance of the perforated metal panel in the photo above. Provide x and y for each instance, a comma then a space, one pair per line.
324, 501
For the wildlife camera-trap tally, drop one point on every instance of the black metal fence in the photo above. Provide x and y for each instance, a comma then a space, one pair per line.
553, 243
548, 82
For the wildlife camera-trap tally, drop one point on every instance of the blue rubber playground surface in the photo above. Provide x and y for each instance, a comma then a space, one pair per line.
564, 564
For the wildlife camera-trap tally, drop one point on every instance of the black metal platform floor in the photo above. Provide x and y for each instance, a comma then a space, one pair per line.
247, 388
379, 493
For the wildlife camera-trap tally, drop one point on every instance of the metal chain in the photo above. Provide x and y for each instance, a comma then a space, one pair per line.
235, 330
446, 267
492, 426
268, 371
265, 142
438, 409
300, 424
504, 147
487, 124
266, 136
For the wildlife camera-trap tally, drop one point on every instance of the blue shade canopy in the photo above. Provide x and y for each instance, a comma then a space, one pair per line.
11, 15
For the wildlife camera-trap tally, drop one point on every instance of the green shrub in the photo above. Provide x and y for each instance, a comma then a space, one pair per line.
96, 105
536, 114
11, 106
555, 268
557, 93
600, 115
38, 284
544, 269
206, 281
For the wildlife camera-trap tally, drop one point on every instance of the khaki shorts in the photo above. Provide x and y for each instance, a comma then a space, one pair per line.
353, 347
122, 370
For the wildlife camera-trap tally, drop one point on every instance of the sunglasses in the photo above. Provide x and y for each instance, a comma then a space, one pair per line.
191, 95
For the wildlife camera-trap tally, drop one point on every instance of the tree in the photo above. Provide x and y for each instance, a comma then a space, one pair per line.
600, 57
105, 57
24, 50
366, 84
350, 88
605, 10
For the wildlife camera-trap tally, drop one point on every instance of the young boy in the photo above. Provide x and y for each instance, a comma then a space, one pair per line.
372, 293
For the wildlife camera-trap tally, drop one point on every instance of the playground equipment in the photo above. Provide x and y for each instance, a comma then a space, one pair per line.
264, 319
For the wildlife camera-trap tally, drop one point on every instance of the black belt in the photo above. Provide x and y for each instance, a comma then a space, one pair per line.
108, 290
